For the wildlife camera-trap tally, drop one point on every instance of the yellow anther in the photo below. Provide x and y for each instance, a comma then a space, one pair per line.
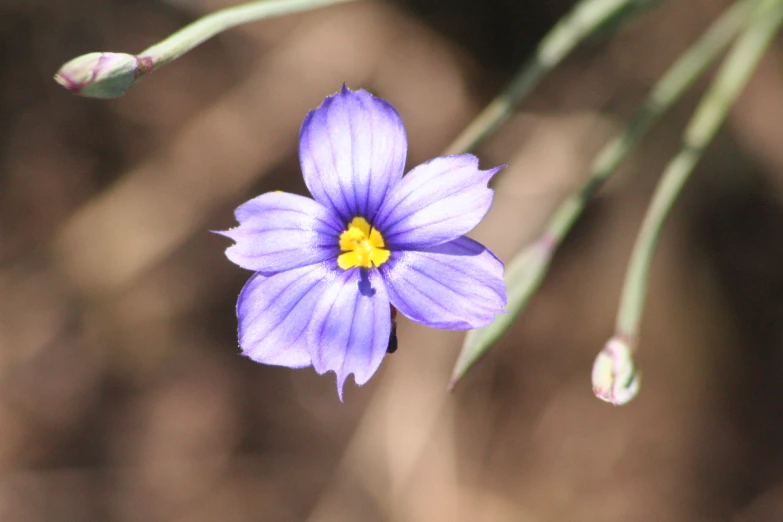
362, 246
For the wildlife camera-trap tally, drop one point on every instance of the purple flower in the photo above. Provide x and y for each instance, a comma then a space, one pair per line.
329, 269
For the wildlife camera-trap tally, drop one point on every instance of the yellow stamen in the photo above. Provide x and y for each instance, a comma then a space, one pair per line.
363, 246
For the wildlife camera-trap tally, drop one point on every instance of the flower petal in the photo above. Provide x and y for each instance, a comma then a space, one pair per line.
280, 231
274, 313
352, 149
436, 202
456, 285
351, 327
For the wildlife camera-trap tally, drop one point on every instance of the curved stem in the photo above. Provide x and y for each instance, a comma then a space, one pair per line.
527, 269
205, 28
583, 20
675, 81
710, 114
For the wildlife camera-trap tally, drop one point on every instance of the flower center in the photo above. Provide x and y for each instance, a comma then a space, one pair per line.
361, 246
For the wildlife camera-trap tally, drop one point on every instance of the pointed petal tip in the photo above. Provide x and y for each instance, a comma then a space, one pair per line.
224, 233
340, 387
495, 170
469, 157
339, 379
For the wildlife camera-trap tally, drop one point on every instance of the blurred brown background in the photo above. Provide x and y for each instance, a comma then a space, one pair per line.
123, 396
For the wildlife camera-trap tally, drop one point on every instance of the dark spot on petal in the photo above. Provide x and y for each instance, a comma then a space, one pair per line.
365, 287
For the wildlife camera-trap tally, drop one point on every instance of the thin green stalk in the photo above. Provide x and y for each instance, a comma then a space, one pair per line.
527, 269
585, 19
205, 28
672, 85
110, 75
710, 114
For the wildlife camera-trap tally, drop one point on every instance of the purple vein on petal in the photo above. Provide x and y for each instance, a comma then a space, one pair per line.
368, 187
487, 175
313, 118
332, 132
352, 143
288, 313
342, 376
269, 305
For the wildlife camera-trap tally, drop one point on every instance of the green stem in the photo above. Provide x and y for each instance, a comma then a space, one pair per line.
585, 19
677, 79
710, 114
526, 270
205, 28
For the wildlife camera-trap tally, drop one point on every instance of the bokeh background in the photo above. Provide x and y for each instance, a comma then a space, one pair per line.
123, 396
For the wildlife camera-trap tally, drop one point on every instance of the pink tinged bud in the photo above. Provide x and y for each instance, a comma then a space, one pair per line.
615, 378
101, 75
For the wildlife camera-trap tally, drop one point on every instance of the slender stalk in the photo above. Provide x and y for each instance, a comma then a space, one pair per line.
587, 17
670, 88
527, 269
710, 114
205, 28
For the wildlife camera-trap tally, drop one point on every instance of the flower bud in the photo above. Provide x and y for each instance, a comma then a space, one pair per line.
615, 378
101, 75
